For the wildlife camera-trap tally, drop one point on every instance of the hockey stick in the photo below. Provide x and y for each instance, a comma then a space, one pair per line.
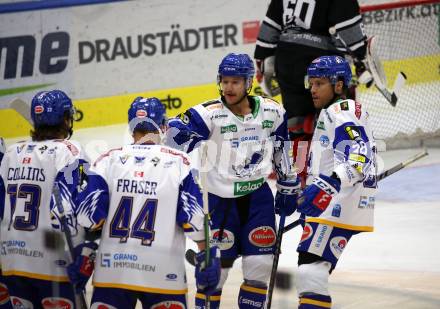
22, 108
401, 165
287, 160
374, 67
79, 296
203, 183
381, 176
276, 258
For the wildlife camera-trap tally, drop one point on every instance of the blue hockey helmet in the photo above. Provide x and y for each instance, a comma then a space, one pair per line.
146, 114
237, 65
48, 108
332, 67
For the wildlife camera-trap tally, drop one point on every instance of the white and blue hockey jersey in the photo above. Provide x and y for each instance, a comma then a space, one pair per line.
147, 196
343, 143
241, 150
28, 173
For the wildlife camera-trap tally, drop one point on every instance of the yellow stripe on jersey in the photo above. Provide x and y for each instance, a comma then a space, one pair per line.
35, 276
253, 289
342, 225
138, 288
309, 301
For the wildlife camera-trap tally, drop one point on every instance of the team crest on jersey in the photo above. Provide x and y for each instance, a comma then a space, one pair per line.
263, 236
337, 245
227, 239
4, 294
124, 159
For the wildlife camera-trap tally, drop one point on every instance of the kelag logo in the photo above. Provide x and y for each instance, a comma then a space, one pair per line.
53, 56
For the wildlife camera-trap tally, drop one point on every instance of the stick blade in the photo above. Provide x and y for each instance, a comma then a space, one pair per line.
190, 256
22, 108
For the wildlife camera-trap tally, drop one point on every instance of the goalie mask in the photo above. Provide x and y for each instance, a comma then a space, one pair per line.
237, 65
332, 67
146, 114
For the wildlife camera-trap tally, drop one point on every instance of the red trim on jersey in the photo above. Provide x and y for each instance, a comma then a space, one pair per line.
175, 153
105, 155
395, 5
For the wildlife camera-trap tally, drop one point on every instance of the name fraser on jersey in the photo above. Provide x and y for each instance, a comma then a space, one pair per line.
136, 186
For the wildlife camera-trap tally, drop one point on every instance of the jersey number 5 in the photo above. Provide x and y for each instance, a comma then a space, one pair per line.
143, 226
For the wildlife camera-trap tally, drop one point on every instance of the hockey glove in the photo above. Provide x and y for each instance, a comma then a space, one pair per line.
207, 278
286, 196
81, 269
316, 197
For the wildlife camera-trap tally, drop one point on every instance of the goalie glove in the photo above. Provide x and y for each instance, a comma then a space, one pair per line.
364, 76
316, 197
266, 76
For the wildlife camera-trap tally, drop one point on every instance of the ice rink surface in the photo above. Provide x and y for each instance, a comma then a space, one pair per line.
395, 267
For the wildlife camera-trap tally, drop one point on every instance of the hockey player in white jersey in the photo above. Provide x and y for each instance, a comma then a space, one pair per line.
29, 171
245, 135
150, 201
339, 202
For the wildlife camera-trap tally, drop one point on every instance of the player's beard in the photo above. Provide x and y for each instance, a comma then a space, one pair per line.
235, 102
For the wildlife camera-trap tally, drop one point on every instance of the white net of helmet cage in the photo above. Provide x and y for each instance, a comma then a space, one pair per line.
408, 41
